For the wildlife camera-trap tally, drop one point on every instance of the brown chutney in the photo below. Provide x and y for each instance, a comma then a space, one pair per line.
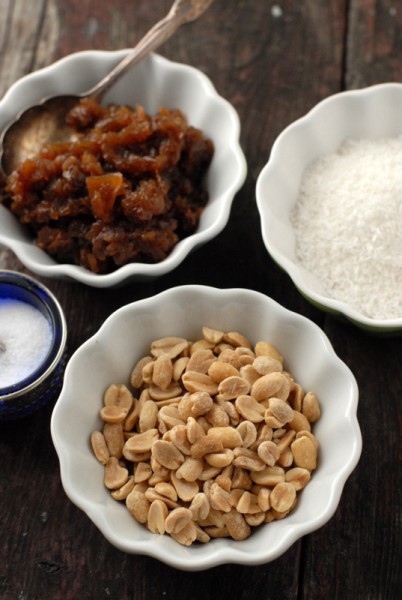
126, 189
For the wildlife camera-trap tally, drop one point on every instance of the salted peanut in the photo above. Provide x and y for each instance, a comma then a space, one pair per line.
241, 479
217, 532
201, 404
285, 459
199, 382
178, 436
248, 459
99, 447
311, 436
250, 409
214, 518
248, 432
217, 416
269, 476
214, 336
138, 505
201, 360
158, 511
184, 406
228, 355
264, 434
272, 421
267, 364
187, 535
136, 457
236, 339
304, 453
200, 345
209, 472
199, 507
194, 430
167, 454
136, 379
147, 372
140, 487
234, 496
285, 440
164, 488
114, 438
186, 490
299, 422
267, 349
268, 452
244, 503
122, 492
220, 370
142, 442
148, 416
246, 355
155, 479
219, 498
115, 476
207, 444
232, 387
177, 519
282, 496
118, 395
151, 494
267, 386
263, 499
249, 374
179, 366
220, 459
171, 391
230, 410
142, 471
205, 424
310, 407
255, 519
113, 414
159, 469
269, 517
284, 391
296, 396
228, 436
162, 372
224, 480
298, 477
281, 410
170, 417
201, 535
236, 525
171, 346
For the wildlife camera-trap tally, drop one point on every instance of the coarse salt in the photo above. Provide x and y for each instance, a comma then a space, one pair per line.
25, 340
348, 225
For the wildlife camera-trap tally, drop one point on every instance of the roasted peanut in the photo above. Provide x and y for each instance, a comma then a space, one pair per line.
219, 440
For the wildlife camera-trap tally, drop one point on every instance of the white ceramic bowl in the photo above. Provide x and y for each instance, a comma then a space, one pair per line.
370, 113
155, 82
108, 358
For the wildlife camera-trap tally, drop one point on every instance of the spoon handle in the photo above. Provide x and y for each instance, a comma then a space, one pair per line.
181, 12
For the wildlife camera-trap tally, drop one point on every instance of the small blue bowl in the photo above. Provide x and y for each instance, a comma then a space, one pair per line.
31, 393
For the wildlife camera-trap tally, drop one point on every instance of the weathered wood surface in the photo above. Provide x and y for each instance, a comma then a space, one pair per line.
273, 61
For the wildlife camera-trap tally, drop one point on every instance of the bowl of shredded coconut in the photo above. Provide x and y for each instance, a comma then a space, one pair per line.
330, 203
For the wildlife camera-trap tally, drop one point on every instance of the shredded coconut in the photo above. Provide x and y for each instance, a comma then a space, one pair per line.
348, 225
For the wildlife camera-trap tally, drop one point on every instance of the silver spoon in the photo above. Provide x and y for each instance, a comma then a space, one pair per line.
45, 122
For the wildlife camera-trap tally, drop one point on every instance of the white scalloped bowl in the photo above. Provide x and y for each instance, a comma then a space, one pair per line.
108, 357
369, 113
155, 82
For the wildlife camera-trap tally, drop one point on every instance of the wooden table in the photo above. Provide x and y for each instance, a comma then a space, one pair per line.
273, 61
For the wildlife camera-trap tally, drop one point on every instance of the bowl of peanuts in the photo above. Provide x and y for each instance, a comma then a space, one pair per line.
204, 426
328, 199
143, 179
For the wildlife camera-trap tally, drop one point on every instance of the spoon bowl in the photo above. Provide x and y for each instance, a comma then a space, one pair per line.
46, 122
